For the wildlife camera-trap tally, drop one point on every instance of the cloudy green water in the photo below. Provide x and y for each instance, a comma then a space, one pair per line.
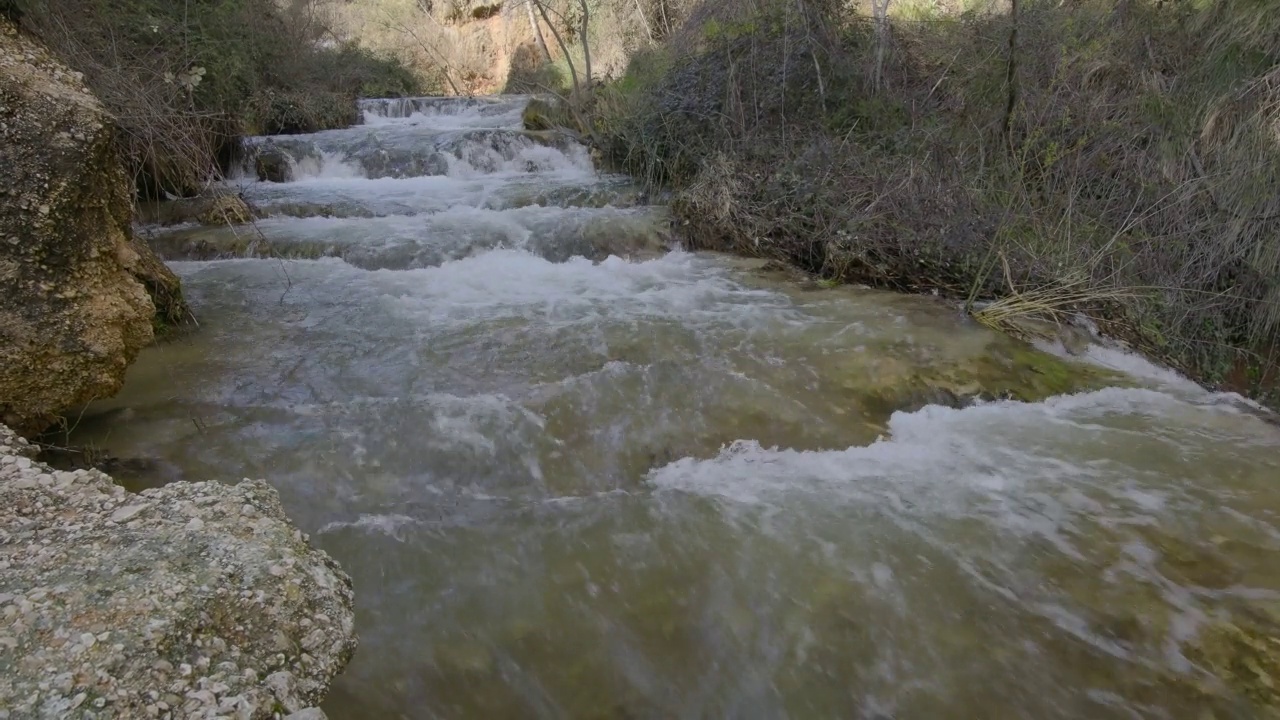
575, 476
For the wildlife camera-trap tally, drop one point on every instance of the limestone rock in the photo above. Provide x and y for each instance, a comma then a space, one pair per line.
73, 314
190, 600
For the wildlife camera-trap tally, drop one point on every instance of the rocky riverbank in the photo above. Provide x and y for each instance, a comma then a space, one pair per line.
193, 600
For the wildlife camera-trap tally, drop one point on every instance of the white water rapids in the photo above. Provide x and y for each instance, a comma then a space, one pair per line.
576, 475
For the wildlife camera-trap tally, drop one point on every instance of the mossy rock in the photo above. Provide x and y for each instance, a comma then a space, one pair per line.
273, 166
226, 210
542, 114
1006, 371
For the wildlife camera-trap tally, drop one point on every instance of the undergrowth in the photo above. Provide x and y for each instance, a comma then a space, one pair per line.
1116, 159
185, 79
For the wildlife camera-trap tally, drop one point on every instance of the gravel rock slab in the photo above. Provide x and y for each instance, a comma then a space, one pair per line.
195, 600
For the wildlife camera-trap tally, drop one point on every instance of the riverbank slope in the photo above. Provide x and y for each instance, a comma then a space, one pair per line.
1115, 160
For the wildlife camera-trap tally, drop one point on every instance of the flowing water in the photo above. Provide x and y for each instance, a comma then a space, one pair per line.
577, 474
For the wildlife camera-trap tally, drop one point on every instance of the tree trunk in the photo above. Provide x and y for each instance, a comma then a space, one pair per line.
537, 30
880, 17
573, 71
648, 29
1011, 77
586, 46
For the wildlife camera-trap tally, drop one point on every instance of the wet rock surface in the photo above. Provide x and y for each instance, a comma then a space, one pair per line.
189, 601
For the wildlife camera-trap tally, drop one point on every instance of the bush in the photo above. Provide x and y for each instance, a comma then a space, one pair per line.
185, 79
286, 112
1125, 164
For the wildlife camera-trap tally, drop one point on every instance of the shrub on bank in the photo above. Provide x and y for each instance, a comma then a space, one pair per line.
186, 79
1119, 159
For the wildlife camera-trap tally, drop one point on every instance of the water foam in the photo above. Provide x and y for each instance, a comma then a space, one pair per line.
937, 453
324, 165
508, 282
446, 113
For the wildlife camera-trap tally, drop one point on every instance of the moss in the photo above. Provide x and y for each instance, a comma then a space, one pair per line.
226, 210
542, 115
1245, 656
1005, 369
484, 12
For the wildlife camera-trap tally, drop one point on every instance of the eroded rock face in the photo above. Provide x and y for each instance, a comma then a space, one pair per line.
72, 314
189, 601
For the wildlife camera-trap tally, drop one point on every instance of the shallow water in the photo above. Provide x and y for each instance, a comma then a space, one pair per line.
573, 475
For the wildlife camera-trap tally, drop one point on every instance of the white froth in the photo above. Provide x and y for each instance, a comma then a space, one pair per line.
519, 283
446, 113
942, 458
325, 166
385, 524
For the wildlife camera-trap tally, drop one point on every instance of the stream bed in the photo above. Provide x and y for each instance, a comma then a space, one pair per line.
577, 472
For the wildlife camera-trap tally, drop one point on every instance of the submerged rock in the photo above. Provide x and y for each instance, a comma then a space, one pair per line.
901, 378
78, 296
191, 600
1244, 655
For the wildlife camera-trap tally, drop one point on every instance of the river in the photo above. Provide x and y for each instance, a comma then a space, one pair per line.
578, 472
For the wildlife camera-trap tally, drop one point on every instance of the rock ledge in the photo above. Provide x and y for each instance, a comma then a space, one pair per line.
195, 600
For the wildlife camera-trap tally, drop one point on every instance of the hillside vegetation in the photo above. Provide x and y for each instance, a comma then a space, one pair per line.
1116, 159
187, 78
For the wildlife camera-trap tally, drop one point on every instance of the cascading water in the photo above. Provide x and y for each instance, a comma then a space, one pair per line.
575, 474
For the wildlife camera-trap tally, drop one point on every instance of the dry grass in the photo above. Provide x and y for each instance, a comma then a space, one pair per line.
1136, 179
185, 80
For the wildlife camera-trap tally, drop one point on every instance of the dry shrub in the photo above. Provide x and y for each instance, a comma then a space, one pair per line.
1136, 178
185, 80
451, 49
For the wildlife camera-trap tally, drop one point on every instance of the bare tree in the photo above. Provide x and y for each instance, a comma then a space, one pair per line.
880, 18
573, 70
648, 29
586, 45
446, 69
537, 30
1011, 78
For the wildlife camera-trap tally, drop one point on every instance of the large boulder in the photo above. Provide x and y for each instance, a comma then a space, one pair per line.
75, 307
193, 600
